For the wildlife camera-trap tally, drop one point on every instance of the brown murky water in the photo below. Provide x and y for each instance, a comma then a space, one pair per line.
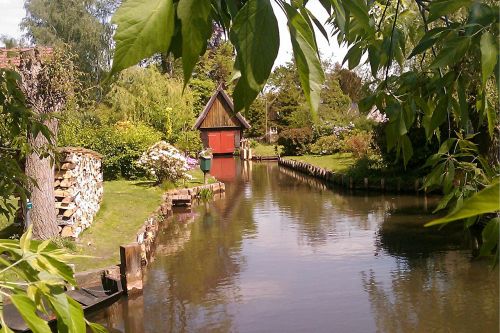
282, 253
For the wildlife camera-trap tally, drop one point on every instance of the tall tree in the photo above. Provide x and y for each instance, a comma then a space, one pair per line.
83, 25
350, 83
47, 81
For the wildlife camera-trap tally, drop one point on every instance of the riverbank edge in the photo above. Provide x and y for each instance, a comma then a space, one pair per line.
396, 184
137, 255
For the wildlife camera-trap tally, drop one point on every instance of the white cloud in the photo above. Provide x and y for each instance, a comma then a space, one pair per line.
11, 14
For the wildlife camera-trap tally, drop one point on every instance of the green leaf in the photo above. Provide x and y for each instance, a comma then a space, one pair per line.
255, 35
196, 30
56, 267
144, 27
407, 149
27, 309
311, 73
318, 24
77, 316
374, 59
428, 40
489, 53
490, 236
25, 241
462, 100
339, 15
58, 301
438, 115
491, 116
96, 328
359, 11
353, 56
439, 8
453, 52
484, 201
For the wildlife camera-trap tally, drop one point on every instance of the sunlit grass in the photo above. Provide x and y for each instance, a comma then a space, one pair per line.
336, 162
125, 206
265, 150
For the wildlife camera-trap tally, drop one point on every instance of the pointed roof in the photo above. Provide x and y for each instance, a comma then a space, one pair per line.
225, 96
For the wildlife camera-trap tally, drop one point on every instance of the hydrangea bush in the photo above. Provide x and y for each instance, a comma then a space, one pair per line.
165, 162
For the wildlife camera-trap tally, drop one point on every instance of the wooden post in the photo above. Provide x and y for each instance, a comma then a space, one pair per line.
382, 184
131, 267
366, 183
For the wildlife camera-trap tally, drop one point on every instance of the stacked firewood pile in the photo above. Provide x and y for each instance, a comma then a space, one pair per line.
78, 189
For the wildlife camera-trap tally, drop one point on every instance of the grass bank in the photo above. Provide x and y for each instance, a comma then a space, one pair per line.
125, 206
337, 162
265, 150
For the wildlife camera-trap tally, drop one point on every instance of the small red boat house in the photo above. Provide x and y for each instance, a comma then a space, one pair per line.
220, 128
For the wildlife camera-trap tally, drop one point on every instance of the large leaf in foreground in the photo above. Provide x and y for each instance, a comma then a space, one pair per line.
311, 74
196, 30
485, 201
27, 309
145, 27
255, 34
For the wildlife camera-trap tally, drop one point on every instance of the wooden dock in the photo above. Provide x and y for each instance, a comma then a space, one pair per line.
185, 197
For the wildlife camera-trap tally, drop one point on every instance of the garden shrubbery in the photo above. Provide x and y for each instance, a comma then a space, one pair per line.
121, 145
327, 145
295, 141
358, 143
165, 163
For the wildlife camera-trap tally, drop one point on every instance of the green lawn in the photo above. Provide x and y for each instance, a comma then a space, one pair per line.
125, 206
264, 150
336, 162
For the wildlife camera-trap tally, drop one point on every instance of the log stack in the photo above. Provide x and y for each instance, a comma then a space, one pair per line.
78, 188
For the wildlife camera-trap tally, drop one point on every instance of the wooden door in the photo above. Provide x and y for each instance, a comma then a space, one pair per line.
214, 142
227, 142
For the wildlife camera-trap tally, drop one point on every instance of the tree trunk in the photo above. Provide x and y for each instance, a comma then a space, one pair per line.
43, 214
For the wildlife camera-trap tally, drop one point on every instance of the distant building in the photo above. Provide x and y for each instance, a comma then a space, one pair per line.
11, 58
220, 128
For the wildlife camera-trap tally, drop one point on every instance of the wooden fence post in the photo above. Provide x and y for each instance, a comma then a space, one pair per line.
131, 267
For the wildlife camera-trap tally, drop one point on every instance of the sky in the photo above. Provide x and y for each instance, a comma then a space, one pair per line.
12, 12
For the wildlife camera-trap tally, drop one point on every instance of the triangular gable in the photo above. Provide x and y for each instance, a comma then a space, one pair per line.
220, 92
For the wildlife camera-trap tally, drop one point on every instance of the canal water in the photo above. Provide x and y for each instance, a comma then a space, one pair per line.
283, 253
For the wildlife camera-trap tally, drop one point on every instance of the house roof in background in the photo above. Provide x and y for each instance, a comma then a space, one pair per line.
11, 58
208, 106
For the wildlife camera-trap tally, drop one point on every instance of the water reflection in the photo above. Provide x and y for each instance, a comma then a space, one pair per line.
283, 253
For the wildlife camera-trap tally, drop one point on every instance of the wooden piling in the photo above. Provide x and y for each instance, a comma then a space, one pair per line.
131, 267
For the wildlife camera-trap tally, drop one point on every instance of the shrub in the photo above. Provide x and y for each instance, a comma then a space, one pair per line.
165, 162
422, 148
327, 145
121, 144
295, 141
189, 142
358, 143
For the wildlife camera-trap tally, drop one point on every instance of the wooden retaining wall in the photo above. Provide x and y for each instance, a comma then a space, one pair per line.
395, 184
134, 257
